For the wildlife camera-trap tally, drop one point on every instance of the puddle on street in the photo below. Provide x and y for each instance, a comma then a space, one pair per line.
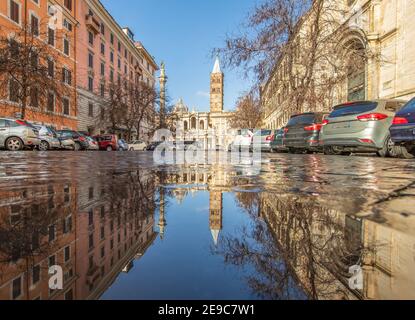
121, 227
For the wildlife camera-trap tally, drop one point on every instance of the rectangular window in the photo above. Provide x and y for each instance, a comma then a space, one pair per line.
91, 60
103, 48
66, 76
91, 114
35, 274
52, 261
51, 37
34, 25
91, 241
34, 97
51, 102
112, 38
102, 69
15, 11
66, 46
112, 56
67, 253
90, 38
51, 68
17, 288
66, 108
102, 90
90, 84
67, 225
52, 233
102, 28
68, 4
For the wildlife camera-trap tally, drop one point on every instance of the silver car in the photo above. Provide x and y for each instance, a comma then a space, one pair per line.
16, 135
361, 126
48, 138
93, 144
266, 137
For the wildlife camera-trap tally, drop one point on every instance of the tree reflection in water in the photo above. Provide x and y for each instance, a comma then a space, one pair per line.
297, 248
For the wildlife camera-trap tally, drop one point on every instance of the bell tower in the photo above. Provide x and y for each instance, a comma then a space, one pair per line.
216, 88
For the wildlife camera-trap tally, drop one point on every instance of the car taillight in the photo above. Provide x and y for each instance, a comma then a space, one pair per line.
22, 123
372, 117
325, 122
82, 139
314, 127
270, 138
400, 120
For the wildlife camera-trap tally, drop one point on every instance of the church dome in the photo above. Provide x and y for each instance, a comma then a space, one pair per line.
180, 107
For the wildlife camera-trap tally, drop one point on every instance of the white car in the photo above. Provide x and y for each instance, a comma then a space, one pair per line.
137, 146
243, 139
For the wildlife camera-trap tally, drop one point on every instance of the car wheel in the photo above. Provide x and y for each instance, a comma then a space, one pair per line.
131, 149
77, 146
109, 148
388, 145
14, 144
44, 146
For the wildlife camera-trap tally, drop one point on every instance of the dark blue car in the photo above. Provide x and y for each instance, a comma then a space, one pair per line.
403, 130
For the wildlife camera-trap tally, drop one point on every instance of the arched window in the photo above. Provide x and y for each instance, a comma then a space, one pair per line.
193, 123
356, 78
186, 126
202, 125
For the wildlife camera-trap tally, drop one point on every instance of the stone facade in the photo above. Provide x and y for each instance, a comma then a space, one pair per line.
212, 129
382, 27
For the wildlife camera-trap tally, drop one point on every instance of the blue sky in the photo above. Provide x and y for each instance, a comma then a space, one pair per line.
182, 33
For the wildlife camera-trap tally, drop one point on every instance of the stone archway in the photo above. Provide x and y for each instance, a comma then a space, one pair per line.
193, 123
355, 56
202, 125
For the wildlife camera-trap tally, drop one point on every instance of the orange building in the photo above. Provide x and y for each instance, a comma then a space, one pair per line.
53, 22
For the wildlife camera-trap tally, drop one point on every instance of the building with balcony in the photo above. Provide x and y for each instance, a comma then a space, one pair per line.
106, 53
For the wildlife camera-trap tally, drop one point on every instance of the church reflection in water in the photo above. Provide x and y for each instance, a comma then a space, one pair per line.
96, 229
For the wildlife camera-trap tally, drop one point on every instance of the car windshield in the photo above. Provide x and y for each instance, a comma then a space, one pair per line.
263, 133
353, 109
302, 119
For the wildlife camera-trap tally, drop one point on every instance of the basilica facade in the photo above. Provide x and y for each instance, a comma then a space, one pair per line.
211, 129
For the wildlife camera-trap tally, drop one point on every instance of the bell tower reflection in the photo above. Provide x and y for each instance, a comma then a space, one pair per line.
162, 219
215, 214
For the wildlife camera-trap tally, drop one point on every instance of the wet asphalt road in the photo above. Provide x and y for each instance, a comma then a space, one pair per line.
331, 211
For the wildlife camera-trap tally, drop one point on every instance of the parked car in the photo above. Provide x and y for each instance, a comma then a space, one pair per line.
266, 137
243, 139
107, 142
277, 145
16, 135
48, 138
92, 143
152, 146
302, 133
67, 143
138, 145
403, 130
122, 145
361, 126
80, 140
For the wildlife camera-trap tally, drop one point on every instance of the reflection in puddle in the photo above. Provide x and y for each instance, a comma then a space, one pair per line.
134, 231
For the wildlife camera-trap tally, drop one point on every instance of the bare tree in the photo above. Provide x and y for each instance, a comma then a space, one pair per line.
302, 49
143, 99
29, 75
114, 106
248, 113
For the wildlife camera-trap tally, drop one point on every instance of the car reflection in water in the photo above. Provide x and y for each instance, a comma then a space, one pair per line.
133, 230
